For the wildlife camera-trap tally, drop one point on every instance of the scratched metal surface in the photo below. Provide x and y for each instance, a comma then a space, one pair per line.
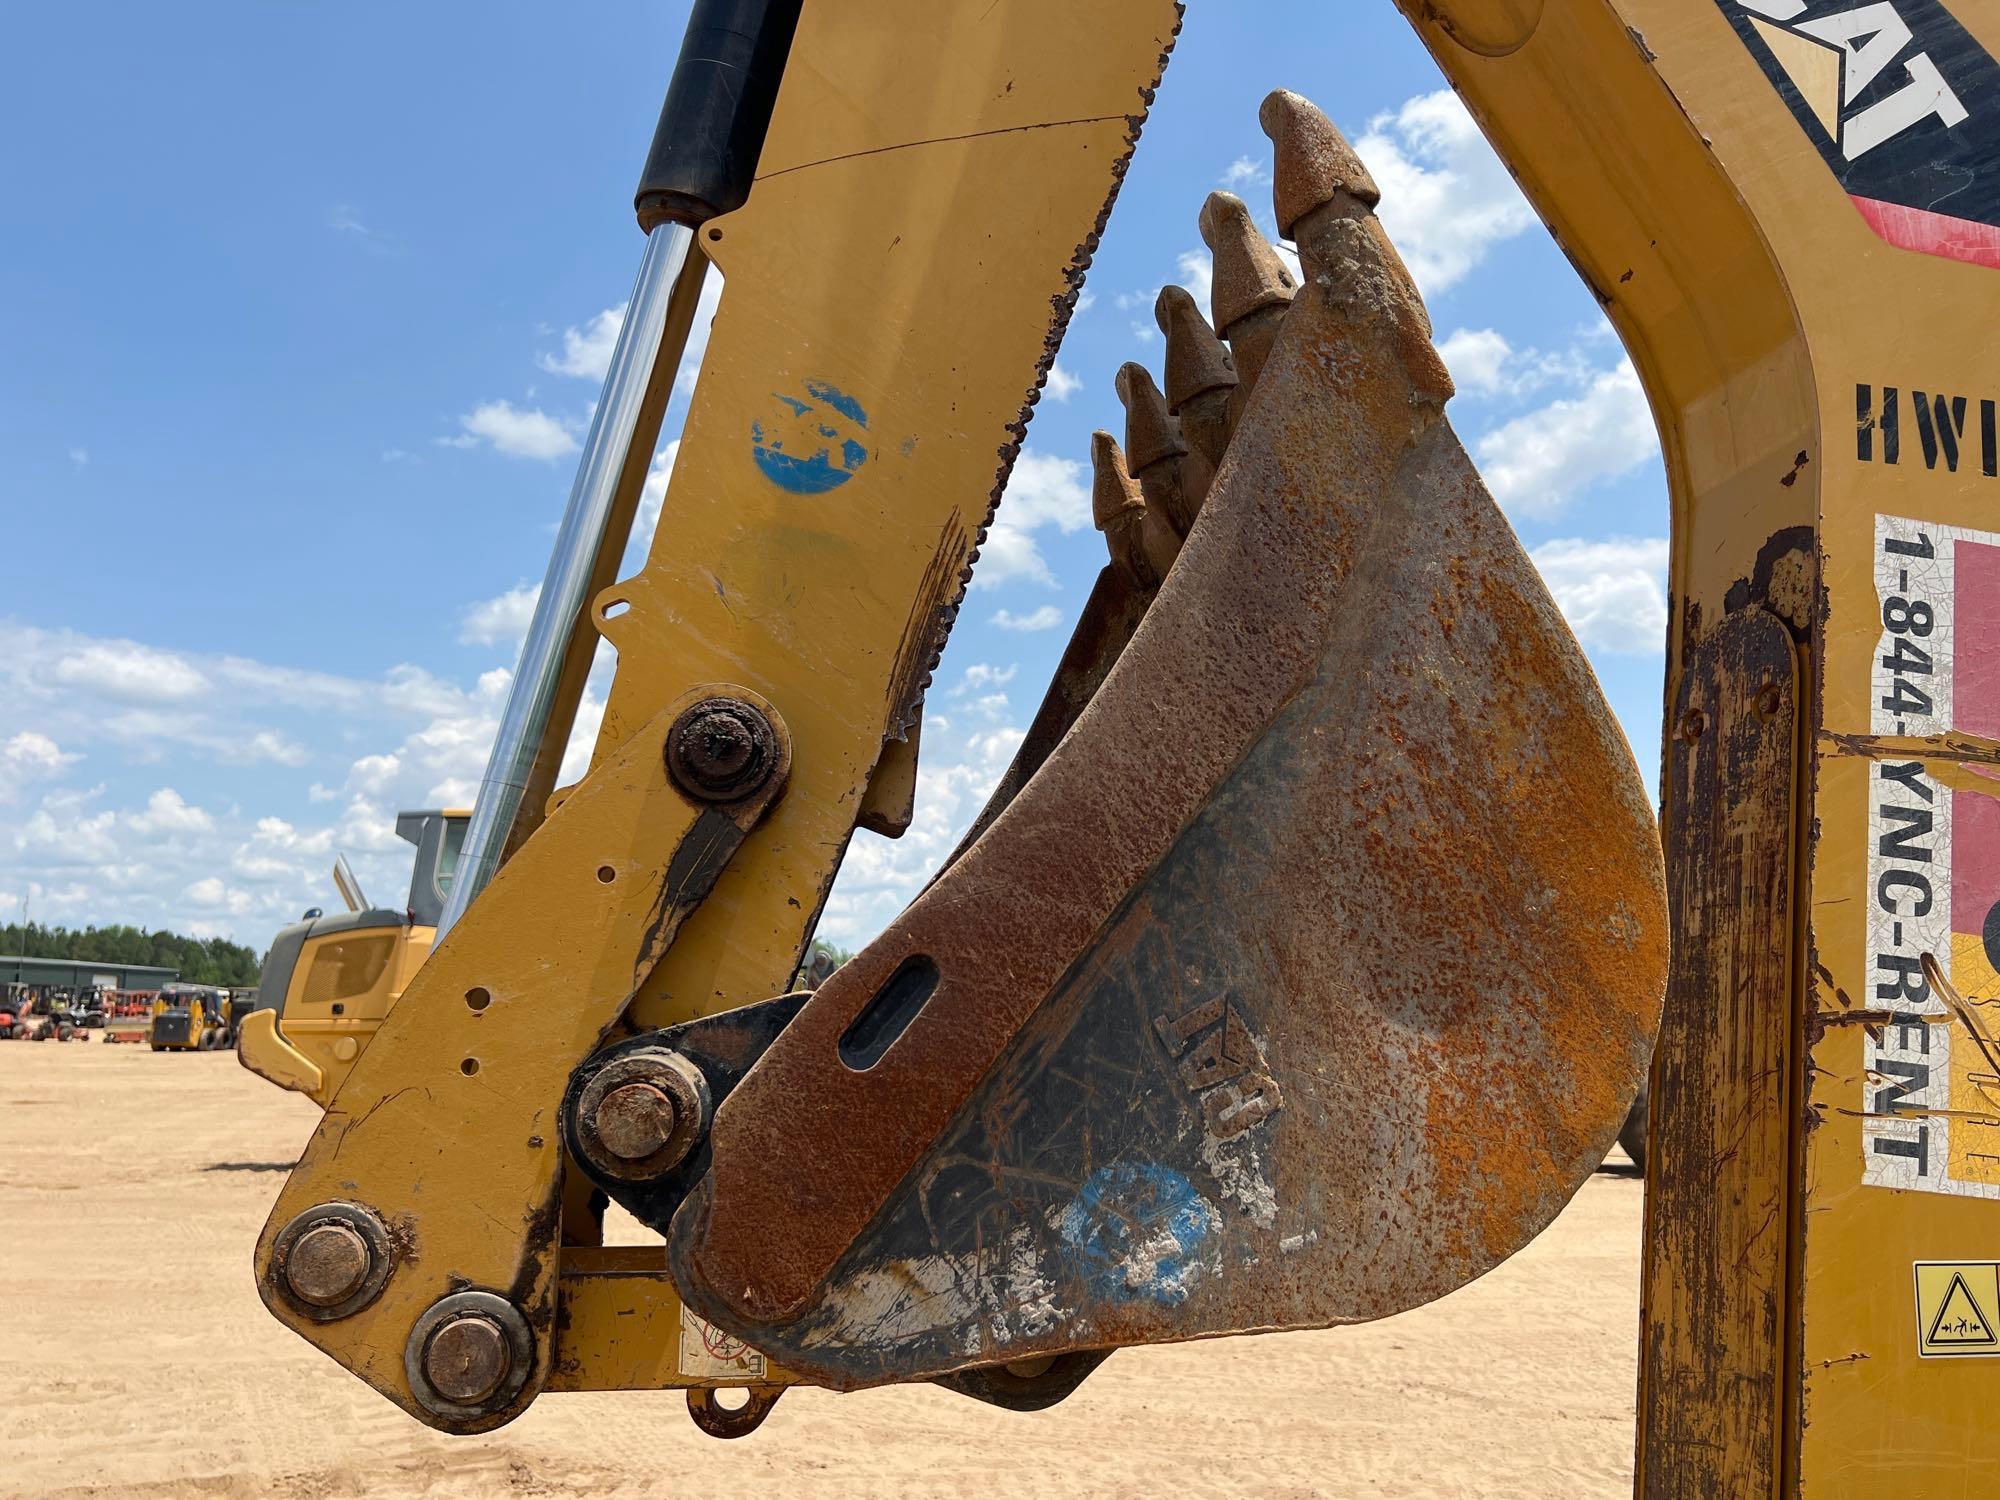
1306, 981
1712, 1349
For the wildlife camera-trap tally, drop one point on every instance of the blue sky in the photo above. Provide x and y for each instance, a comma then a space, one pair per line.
303, 307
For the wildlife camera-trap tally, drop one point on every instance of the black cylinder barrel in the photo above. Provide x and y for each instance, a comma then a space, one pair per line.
718, 108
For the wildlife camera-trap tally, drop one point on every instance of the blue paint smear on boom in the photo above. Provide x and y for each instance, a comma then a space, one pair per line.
810, 448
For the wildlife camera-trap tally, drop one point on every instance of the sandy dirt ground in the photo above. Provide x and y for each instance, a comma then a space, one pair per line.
138, 1361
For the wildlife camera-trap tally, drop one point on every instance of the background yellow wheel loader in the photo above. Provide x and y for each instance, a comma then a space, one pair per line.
328, 981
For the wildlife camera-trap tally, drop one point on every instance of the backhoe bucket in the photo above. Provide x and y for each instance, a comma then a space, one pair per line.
1304, 979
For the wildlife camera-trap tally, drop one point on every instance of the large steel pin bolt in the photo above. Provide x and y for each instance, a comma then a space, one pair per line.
721, 750
468, 1356
638, 1116
327, 1265
331, 1261
467, 1359
635, 1121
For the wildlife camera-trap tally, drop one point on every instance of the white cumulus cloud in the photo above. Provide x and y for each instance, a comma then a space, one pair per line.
982, 675
1478, 359
1245, 172
502, 620
264, 744
1044, 490
651, 500
1613, 592
374, 773
168, 812
129, 671
1540, 462
516, 432
696, 347
1061, 385
586, 351
1045, 618
1197, 274
30, 756
879, 876
210, 892
1484, 363
1446, 197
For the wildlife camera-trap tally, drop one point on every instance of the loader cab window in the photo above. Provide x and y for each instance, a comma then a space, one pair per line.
447, 861
439, 834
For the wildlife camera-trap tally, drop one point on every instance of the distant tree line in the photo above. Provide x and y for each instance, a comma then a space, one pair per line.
200, 960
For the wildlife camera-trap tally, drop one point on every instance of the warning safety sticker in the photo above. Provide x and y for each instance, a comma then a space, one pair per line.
1932, 1112
707, 1353
1956, 1304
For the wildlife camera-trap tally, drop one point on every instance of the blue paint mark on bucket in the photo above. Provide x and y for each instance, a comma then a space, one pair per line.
1139, 1230
811, 443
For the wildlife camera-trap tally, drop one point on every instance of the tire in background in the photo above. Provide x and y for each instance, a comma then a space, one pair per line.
1632, 1134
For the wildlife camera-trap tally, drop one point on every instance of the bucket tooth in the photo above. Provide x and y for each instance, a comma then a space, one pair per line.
1118, 508
1252, 286
1155, 449
1326, 197
1312, 160
1201, 379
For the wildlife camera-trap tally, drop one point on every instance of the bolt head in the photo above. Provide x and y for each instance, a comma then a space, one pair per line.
638, 1116
635, 1121
718, 747
467, 1359
721, 750
327, 1265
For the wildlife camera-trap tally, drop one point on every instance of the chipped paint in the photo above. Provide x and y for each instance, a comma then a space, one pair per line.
1141, 1230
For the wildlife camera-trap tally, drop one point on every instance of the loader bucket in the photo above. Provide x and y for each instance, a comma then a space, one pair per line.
1308, 974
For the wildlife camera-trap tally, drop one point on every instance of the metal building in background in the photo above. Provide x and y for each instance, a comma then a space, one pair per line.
80, 973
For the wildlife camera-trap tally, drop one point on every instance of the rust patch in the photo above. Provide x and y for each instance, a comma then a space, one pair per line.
691, 875
925, 632
1716, 1229
702, 854
1784, 579
1965, 748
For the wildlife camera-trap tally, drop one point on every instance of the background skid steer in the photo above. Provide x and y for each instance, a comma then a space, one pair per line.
1310, 953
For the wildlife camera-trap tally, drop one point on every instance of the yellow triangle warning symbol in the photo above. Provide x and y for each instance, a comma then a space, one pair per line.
1960, 1322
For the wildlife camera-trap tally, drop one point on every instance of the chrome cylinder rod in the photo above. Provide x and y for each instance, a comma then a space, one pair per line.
670, 254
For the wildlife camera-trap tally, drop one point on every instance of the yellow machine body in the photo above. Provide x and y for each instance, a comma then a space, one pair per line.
1820, 1264
848, 605
1825, 1124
